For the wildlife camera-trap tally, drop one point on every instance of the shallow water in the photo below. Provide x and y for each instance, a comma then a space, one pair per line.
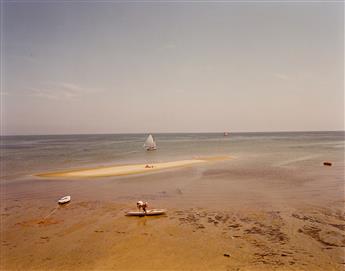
24, 155
267, 169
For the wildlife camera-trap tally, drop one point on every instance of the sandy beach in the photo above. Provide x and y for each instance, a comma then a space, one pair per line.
93, 235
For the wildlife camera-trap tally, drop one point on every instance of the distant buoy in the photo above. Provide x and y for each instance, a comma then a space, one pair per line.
327, 164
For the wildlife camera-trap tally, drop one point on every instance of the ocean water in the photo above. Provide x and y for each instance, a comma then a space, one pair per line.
22, 156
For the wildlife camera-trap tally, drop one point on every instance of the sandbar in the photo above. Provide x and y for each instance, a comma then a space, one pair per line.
122, 170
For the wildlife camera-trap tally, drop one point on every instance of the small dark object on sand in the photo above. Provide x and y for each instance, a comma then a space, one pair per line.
327, 164
226, 255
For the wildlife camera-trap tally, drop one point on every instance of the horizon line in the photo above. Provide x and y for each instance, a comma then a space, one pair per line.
140, 133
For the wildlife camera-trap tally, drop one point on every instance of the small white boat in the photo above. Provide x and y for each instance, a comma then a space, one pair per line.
151, 212
150, 144
64, 200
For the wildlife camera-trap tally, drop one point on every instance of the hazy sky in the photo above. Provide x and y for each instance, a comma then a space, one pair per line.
107, 67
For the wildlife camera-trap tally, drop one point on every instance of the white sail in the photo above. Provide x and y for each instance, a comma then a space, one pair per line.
150, 144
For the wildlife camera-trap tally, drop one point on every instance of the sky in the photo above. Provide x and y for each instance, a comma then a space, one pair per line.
138, 67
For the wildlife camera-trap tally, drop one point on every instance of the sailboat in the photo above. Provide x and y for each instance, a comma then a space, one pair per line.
150, 144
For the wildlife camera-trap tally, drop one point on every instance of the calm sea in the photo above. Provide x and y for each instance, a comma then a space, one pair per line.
22, 156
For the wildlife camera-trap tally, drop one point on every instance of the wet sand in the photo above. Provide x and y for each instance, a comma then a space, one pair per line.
239, 214
97, 236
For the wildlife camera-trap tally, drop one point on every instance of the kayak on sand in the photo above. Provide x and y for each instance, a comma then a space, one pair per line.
151, 212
